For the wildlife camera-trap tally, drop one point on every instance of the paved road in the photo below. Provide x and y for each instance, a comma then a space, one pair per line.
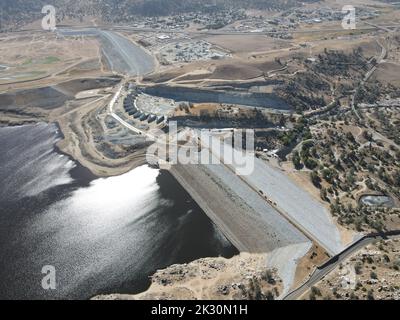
371, 27
384, 28
366, 78
224, 32
328, 267
123, 122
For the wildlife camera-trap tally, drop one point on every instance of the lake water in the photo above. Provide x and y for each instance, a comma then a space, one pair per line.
102, 235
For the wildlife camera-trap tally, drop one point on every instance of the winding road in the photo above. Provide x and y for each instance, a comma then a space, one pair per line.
329, 266
367, 76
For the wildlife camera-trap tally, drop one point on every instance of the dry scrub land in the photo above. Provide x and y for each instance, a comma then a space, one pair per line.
41, 55
372, 273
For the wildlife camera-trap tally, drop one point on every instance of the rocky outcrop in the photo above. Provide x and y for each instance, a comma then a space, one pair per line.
243, 277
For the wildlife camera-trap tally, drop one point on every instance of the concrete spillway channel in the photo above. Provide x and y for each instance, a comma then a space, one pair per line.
122, 55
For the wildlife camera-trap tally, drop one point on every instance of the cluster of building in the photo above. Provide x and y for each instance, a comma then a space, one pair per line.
153, 41
260, 24
191, 51
210, 19
281, 25
325, 14
179, 47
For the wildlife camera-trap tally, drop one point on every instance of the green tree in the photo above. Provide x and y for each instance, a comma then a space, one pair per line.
310, 163
316, 180
296, 160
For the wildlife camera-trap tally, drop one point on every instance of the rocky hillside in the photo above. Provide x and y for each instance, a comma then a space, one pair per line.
244, 277
19, 12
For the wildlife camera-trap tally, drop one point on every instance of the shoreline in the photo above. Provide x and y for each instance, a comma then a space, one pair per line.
96, 170
211, 278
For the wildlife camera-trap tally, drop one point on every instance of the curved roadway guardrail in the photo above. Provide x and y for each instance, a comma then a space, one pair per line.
330, 265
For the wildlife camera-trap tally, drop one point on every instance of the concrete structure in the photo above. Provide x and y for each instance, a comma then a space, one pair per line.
244, 217
292, 201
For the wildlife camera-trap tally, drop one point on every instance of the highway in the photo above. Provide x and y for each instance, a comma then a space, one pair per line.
89, 28
329, 266
247, 33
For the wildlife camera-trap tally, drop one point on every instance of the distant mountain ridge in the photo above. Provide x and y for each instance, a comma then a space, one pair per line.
19, 12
